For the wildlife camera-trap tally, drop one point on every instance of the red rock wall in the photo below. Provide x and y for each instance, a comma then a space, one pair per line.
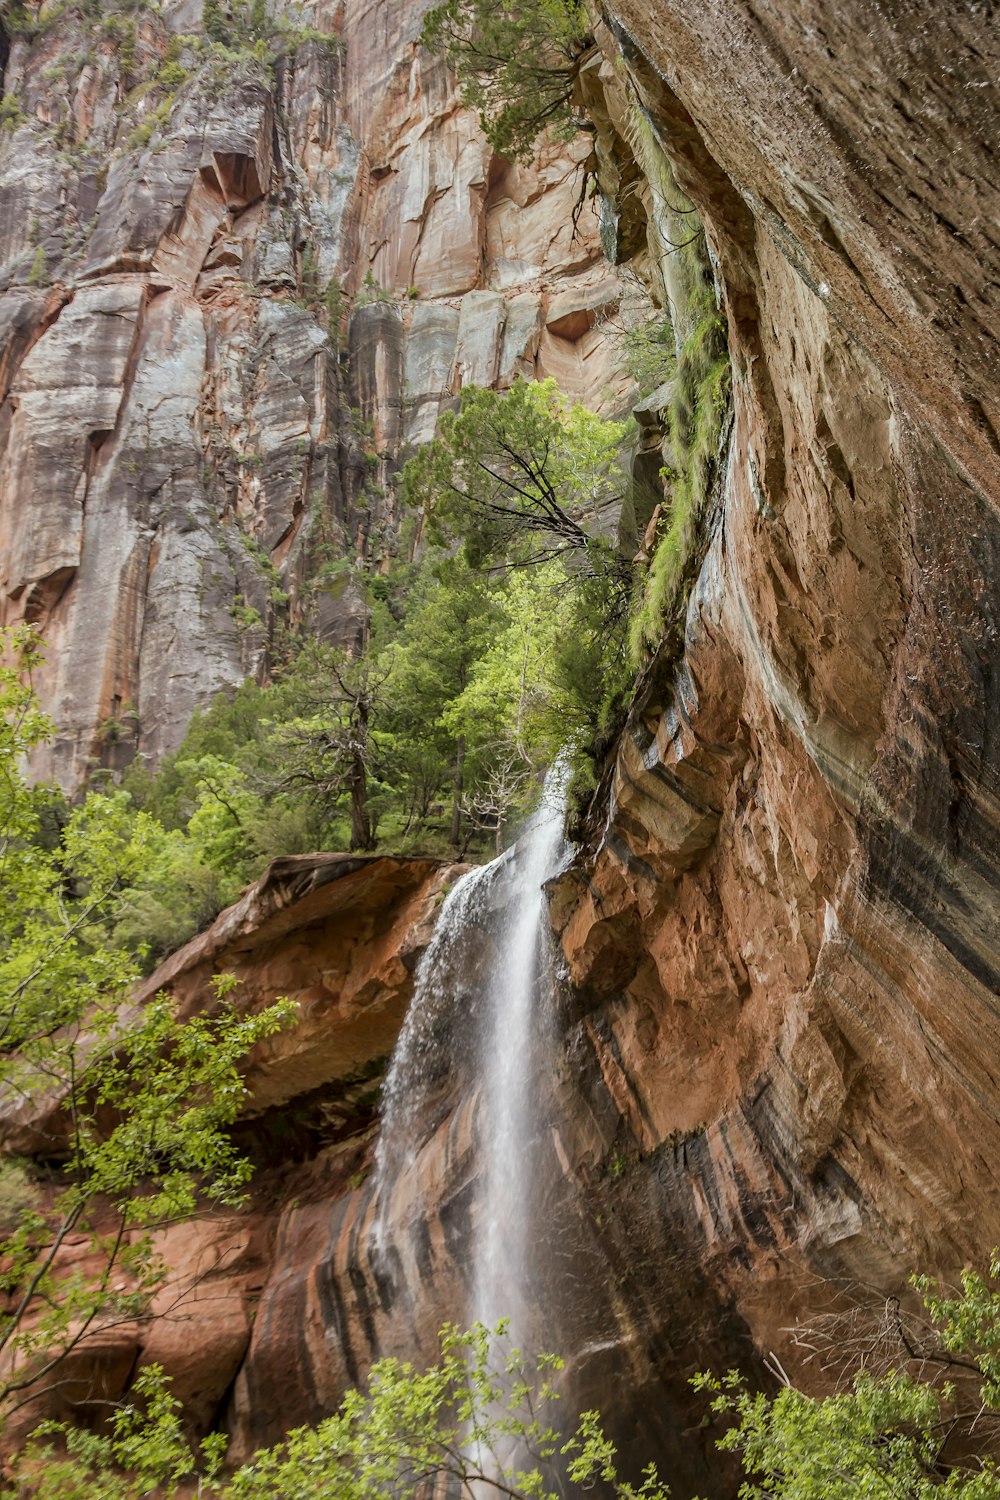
786, 942
782, 1034
183, 440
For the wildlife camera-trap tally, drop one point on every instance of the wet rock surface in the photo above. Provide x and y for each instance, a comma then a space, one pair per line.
785, 941
781, 1025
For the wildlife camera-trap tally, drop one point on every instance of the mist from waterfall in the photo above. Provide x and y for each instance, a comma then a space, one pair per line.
515, 1037
482, 1002
413, 1066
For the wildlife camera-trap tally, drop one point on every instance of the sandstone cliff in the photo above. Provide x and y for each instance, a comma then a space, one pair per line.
233, 294
779, 1089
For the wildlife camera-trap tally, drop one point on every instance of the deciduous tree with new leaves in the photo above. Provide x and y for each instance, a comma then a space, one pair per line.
517, 65
134, 1107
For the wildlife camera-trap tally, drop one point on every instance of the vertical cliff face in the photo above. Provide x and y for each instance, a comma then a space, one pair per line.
785, 940
780, 1024
236, 289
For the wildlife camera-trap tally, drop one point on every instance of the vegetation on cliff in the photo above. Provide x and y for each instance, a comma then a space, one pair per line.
484, 1418
890, 1434
479, 1420
505, 641
517, 65
130, 1113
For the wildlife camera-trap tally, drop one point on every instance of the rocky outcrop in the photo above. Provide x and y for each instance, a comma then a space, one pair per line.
234, 293
785, 942
782, 1024
340, 936
781, 1029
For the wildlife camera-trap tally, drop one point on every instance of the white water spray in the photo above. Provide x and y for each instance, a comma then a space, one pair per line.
515, 1036
414, 1064
498, 909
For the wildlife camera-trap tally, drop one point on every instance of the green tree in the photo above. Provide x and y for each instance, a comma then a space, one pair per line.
136, 1108
523, 477
529, 481
517, 710
517, 65
451, 619
892, 1436
216, 25
332, 749
480, 1418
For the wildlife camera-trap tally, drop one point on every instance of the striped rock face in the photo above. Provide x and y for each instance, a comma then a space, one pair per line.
776, 1085
232, 298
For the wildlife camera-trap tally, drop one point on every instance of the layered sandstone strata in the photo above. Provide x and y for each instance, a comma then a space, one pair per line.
779, 1087
233, 295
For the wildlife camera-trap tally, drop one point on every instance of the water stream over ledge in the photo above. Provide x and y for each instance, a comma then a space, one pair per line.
483, 1008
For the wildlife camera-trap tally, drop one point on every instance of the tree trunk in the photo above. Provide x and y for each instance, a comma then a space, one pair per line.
361, 829
459, 786
361, 832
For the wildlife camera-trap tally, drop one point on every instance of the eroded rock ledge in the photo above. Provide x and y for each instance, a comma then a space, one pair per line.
786, 942
782, 1067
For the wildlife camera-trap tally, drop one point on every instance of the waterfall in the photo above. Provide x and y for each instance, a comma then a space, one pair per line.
415, 1061
482, 1002
515, 1036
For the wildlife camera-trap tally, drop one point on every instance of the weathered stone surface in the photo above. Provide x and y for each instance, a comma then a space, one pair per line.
350, 170
340, 935
64, 403
785, 941
480, 331
429, 365
781, 1035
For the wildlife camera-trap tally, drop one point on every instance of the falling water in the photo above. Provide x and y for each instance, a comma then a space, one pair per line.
515, 1033
495, 1015
415, 1061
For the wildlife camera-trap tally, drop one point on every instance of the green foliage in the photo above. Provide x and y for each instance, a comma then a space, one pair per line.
37, 273
214, 22
649, 352
17, 19
517, 65
333, 299
971, 1322
143, 133
516, 474
698, 405
480, 1418
530, 483
888, 1436
371, 291
11, 113
309, 276
479, 665
875, 1440
147, 1101
144, 1449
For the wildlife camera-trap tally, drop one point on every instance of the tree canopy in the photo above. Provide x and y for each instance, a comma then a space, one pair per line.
134, 1109
517, 65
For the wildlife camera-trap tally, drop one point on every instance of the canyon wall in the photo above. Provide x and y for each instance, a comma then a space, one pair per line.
784, 939
782, 1024
234, 294
779, 1088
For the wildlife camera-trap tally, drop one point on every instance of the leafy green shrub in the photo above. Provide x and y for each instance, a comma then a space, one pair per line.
517, 65
11, 113
479, 1419
148, 1104
892, 1436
